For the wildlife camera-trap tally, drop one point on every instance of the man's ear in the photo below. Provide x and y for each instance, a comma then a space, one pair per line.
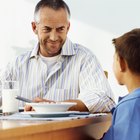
122, 63
34, 27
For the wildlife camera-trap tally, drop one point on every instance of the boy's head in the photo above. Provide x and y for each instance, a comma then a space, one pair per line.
127, 54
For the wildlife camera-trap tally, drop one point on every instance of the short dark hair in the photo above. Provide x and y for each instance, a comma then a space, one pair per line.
127, 46
54, 4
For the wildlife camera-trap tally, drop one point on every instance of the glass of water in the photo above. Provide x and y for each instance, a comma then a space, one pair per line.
9, 90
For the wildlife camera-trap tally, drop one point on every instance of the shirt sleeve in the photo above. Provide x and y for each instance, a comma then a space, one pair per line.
95, 91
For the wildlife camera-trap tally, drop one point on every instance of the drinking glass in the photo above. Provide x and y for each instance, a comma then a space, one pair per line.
9, 90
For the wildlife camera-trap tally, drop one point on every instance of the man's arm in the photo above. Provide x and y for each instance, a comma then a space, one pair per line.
95, 91
79, 107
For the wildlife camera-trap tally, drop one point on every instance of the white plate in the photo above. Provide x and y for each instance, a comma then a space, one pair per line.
44, 107
53, 114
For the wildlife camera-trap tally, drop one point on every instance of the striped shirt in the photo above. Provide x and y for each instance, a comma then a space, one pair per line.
77, 74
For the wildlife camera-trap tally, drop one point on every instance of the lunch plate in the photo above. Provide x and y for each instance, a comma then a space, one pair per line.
53, 114
42, 107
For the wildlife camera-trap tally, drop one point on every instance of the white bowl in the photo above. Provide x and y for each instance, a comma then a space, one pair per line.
44, 107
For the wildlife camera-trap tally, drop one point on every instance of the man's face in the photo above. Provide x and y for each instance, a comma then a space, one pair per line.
51, 30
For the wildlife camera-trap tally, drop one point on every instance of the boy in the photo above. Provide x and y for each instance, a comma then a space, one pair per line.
126, 66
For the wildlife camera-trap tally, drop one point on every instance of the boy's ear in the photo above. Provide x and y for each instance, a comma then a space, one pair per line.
34, 27
122, 63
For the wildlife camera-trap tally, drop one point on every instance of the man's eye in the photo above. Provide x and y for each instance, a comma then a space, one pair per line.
46, 30
60, 29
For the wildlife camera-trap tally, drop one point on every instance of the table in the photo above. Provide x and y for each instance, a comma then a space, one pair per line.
78, 129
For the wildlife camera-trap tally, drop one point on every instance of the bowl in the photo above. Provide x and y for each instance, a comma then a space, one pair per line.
44, 107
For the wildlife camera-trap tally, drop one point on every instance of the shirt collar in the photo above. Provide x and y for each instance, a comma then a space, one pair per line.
68, 49
130, 96
35, 52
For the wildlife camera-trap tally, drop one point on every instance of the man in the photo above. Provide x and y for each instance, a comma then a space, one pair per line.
58, 70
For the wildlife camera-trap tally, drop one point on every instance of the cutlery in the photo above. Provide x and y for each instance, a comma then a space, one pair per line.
23, 99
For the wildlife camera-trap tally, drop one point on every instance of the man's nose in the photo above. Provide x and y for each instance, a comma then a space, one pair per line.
53, 36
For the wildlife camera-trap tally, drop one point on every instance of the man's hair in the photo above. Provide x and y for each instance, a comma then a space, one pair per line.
127, 46
54, 4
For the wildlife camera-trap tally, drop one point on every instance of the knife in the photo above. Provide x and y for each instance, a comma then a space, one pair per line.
23, 99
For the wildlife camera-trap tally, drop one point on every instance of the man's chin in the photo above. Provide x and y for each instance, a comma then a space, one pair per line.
54, 53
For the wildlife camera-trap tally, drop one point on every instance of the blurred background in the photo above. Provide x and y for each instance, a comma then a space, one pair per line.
94, 23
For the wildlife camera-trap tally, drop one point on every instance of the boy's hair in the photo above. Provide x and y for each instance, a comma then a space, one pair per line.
127, 47
54, 4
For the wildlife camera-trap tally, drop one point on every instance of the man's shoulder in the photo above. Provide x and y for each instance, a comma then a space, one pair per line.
22, 58
82, 49
77, 48
25, 55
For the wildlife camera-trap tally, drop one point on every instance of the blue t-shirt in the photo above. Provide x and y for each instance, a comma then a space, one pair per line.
126, 119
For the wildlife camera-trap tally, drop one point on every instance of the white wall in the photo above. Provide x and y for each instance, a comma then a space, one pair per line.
94, 23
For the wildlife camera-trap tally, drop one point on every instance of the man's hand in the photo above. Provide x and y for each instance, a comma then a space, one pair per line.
79, 107
36, 100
